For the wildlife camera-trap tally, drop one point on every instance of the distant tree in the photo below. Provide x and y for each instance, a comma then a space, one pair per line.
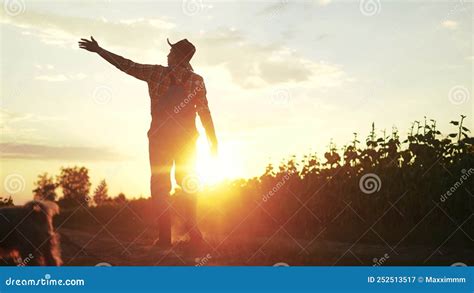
75, 185
120, 199
45, 188
101, 195
6, 201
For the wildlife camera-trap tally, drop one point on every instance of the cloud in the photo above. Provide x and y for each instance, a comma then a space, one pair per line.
258, 65
68, 153
45, 66
47, 72
324, 2
274, 9
64, 31
10, 117
449, 24
23, 148
10, 131
7, 117
251, 65
60, 77
53, 78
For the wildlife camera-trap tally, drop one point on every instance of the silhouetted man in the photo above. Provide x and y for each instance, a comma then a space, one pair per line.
177, 94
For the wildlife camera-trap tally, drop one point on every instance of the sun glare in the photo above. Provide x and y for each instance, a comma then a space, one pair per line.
210, 169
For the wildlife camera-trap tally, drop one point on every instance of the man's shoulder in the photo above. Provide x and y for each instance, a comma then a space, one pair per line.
159, 67
180, 71
196, 76
156, 69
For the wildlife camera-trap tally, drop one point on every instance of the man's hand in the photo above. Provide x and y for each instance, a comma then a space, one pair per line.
91, 46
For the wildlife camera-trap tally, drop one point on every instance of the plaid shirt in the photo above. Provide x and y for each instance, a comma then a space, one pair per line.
158, 79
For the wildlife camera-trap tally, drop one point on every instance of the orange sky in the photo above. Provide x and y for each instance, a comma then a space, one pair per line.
282, 78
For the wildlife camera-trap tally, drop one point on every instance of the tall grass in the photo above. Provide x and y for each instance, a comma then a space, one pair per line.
384, 190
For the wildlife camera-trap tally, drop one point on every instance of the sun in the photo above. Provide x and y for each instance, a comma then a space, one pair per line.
211, 170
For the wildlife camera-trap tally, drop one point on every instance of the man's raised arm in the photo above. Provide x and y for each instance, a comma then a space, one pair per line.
140, 71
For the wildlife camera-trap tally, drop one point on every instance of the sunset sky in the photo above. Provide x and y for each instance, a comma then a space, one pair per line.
283, 78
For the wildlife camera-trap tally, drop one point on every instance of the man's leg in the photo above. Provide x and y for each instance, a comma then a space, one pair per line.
160, 185
187, 179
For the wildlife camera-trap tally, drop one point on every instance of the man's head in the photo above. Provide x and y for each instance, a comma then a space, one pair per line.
180, 53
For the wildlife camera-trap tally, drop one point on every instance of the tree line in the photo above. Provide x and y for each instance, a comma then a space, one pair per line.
419, 189
75, 185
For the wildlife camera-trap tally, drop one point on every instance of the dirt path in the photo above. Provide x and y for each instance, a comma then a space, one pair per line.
103, 248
